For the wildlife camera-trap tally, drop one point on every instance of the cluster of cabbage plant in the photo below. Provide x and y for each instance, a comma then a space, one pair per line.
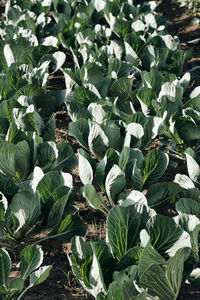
36, 187
125, 94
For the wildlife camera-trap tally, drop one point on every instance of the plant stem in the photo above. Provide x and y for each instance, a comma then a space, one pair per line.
22, 294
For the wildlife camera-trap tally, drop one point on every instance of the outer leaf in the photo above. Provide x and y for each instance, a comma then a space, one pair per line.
69, 227
3, 63
152, 79
28, 120
85, 96
92, 197
193, 164
33, 141
136, 197
15, 135
25, 207
145, 96
50, 129
173, 237
6, 108
47, 156
115, 182
77, 111
161, 194
80, 130
66, 158
96, 278
102, 267
39, 276
134, 133
31, 259
48, 183
87, 167
60, 197
131, 257
7, 158
154, 57
112, 131
59, 59
188, 206
105, 165
184, 181
148, 257
8, 55
80, 249
106, 260
97, 112
37, 175
16, 285
22, 160
81, 260
121, 88
123, 158
169, 277
93, 264
97, 140
169, 90
125, 279
5, 265
193, 193
154, 166
52, 156
7, 186
190, 224
124, 225
194, 100
187, 130
136, 156
136, 178
99, 5
114, 292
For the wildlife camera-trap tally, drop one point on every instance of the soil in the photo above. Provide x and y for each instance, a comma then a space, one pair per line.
61, 284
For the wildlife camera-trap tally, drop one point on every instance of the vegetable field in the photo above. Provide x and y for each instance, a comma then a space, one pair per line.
99, 150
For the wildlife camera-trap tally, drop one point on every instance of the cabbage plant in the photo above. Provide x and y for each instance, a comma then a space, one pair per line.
18, 160
117, 171
30, 268
44, 203
136, 256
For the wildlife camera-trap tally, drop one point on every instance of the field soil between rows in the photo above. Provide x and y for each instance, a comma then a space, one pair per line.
61, 284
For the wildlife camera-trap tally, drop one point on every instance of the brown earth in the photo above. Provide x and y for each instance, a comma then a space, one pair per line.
61, 284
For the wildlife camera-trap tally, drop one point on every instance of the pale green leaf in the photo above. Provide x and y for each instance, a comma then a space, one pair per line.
31, 259
115, 182
5, 265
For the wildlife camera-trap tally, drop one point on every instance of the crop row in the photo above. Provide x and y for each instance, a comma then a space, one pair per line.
125, 94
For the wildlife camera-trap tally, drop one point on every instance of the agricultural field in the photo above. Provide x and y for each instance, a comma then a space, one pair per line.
99, 150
